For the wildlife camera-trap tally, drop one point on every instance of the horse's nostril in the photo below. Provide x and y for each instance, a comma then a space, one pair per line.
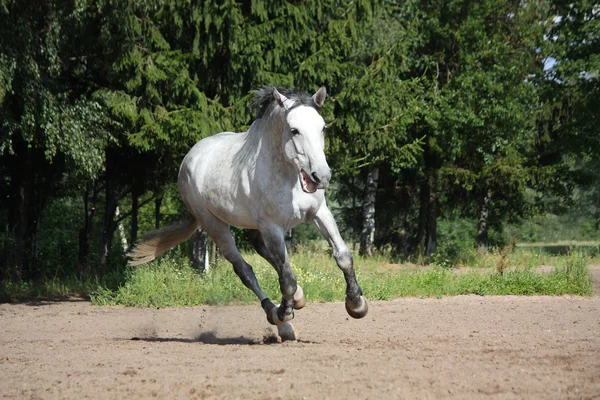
316, 178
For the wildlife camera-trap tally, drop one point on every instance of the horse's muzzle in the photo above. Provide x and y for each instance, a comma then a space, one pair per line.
322, 180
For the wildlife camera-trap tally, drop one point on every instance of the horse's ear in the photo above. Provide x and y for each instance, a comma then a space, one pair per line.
319, 97
281, 99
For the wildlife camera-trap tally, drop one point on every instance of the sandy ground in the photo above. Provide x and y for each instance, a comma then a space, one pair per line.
465, 347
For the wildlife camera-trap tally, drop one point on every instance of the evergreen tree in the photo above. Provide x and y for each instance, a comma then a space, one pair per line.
569, 139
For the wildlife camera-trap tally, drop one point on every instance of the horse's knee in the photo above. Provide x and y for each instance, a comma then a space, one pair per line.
343, 258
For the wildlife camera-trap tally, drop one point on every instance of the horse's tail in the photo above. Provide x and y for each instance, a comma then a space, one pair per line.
154, 243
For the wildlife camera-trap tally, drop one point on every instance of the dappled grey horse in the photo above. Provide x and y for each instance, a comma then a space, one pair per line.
268, 179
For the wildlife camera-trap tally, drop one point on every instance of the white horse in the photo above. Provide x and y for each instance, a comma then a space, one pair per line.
268, 179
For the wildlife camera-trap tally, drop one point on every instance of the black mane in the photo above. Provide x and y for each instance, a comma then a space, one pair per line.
264, 97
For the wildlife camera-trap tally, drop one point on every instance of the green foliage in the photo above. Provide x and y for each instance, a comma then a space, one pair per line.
59, 252
488, 104
569, 114
456, 243
555, 228
100, 101
39, 106
379, 100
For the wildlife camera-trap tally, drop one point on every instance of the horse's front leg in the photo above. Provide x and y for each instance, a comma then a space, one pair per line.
276, 253
356, 305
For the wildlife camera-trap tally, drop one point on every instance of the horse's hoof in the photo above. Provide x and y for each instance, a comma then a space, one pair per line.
273, 317
299, 299
287, 332
357, 309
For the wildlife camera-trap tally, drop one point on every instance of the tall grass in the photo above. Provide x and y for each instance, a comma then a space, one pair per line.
173, 282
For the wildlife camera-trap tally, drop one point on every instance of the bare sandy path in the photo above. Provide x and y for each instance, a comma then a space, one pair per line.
455, 348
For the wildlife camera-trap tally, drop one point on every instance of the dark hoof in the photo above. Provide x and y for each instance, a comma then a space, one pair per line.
287, 332
357, 309
272, 317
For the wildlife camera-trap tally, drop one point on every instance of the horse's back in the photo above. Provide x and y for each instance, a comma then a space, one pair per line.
209, 178
203, 152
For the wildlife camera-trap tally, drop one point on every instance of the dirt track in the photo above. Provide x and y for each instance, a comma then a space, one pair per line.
457, 348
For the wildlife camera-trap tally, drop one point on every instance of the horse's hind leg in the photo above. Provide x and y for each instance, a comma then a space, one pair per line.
219, 232
257, 241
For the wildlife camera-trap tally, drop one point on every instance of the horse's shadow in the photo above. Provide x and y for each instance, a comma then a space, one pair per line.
211, 338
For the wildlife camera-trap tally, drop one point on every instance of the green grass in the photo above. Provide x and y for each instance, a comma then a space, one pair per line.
172, 282
572, 278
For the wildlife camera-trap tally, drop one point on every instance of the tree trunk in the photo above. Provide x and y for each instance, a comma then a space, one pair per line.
135, 206
85, 234
432, 216
200, 257
367, 235
122, 235
597, 224
157, 203
401, 242
213, 251
423, 216
35, 257
108, 226
401, 232
428, 209
15, 260
483, 222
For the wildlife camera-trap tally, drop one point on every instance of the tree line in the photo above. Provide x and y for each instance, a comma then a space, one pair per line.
484, 109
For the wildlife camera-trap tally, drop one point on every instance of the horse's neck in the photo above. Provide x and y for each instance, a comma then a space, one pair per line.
265, 136
266, 133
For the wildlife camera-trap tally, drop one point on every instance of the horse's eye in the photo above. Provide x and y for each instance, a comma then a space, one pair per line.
294, 131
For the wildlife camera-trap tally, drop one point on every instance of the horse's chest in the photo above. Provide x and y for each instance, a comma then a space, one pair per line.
290, 211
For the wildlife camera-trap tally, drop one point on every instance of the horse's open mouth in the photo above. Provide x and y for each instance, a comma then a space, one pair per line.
308, 185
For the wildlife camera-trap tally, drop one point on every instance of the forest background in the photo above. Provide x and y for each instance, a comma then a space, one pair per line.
451, 125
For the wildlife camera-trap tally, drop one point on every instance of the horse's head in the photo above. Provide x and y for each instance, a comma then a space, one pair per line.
303, 140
